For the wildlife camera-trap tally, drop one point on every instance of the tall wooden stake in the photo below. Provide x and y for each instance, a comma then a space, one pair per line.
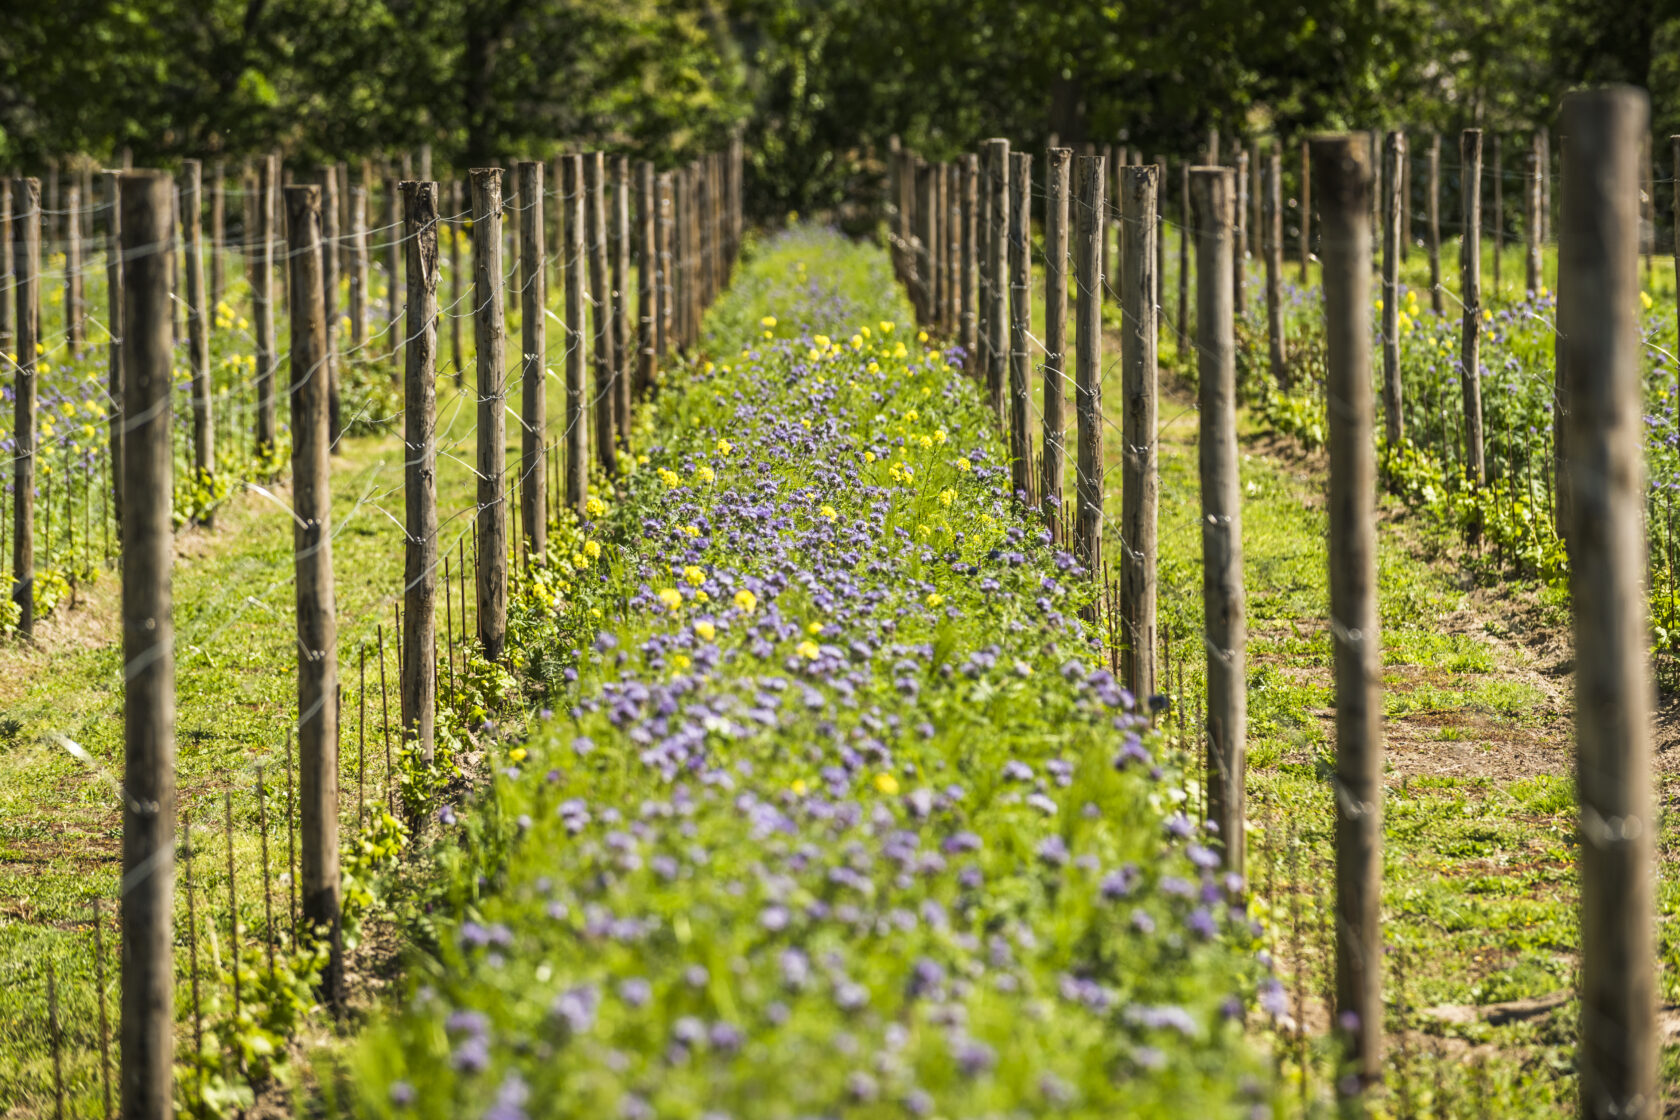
994, 286
647, 278
113, 373
330, 187
1345, 183
1140, 286
577, 406
259, 216
1272, 247
317, 626
1225, 627
421, 215
1394, 152
600, 306
1306, 210
533, 397
1599, 232
970, 259
1058, 163
147, 1019
26, 282
618, 243
1020, 325
1470, 347
198, 325
489, 343
1087, 270
1435, 292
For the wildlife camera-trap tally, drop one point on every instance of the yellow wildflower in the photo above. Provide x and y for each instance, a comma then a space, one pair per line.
594, 507
693, 576
705, 630
798, 787
962, 465
767, 321
680, 661
807, 649
947, 496
828, 512
671, 597
705, 474
886, 783
746, 601
934, 599
886, 327
592, 549
517, 754
724, 447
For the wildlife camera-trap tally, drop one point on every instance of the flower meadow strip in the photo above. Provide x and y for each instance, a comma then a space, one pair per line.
836, 809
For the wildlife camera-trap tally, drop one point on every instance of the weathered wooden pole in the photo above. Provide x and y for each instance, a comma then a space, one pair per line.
259, 216
459, 213
421, 214
1140, 286
1272, 248
927, 242
218, 232
1087, 272
390, 217
1345, 185
600, 305
147, 1021
1224, 626
1186, 231
1470, 347
981, 369
490, 346
7, 273
647, 278
1053, 463
533, 399
329, 295
1306, 209
1393, 233
26, 285
995, 289
577, 407
1534, 273
952, 244
356, 265
1240, 252
665, 322
1435, 291
624, 362
1020, 325
970, 171
1599, 231
198, 326
74, 309
114, 317
317, 623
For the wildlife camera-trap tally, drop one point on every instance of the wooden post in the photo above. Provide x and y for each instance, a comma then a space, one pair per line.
970, 258
1185, 232
623, 364
1534, 275
458, 207
1140, 286
1058, 162
114, 367
1470, 267
218, 232
26, 282
329, 294
356, 262
1306, 210
317, 624
950, 242
490, 346
647, 279
421, 214
74, 311
1272, 247
259, 215
577, 408
389, 217
1240, 252
1225, 628
1599, 231
1087, 271
994, 288
198, 326
1435, 291
147, 1020
1020, 324
1345, 181
927, 248
533, 402
665, 291
7, 272
600, 305
1392, 234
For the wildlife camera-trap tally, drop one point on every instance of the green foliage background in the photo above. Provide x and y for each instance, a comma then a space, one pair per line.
816, 85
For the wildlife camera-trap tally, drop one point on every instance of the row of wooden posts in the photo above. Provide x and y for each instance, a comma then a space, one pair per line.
691, 262
690, 215
982, 302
